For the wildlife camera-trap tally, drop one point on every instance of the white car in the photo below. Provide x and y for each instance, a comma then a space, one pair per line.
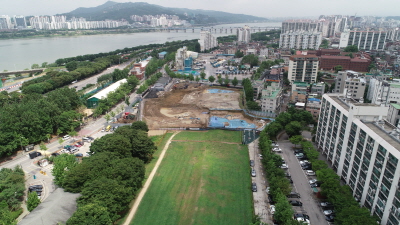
66, 137
303, 162
313, 181
277, 149
272, 209
303, 220
267, 190
284, 166
310, 172
253, 172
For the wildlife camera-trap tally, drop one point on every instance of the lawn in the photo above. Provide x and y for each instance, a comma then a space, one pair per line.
199, 183
211, 135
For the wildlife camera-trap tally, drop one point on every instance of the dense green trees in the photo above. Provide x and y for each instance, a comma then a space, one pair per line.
62, 164
12, 187
250, 59
351, 48
26, 119
91, 214
33, 201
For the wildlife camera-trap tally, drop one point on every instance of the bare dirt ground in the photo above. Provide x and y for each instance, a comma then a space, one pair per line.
188, 105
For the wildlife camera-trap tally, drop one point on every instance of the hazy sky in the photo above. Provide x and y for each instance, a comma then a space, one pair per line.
262, 8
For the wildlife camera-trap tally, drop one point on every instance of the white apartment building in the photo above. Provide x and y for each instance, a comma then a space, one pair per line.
60, 22
363, 149
5, 22
207, 41
365, 40
20, 22
271, 98
384, 92
303, 68
300, 40
351, 81
301, 25
244, 34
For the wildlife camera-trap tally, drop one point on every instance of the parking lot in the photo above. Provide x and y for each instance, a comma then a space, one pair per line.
211, 71
311, 205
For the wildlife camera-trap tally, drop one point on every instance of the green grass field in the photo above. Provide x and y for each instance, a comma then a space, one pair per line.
211, 135
200, 183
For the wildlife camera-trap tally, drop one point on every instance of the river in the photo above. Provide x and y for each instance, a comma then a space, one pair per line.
19, 54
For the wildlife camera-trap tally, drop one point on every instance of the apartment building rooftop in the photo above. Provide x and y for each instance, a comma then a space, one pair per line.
386, 131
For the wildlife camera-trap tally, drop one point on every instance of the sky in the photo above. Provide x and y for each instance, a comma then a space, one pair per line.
261, 8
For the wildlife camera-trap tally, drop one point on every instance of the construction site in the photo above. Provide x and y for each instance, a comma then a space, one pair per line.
192, 105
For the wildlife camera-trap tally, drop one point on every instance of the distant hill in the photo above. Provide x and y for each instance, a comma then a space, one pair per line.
116, 11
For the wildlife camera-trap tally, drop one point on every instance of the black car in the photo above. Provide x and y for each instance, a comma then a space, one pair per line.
91, 138
305, 216
290, 180
330, 218
307, 167
316, 184
270, 199
295, 203
254, 187
296, 151
55, 154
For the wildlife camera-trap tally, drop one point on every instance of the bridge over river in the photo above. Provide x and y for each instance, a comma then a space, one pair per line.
226, 30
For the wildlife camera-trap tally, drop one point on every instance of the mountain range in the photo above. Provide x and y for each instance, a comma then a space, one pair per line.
116, 11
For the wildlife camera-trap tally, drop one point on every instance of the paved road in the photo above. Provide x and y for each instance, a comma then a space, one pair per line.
301, 186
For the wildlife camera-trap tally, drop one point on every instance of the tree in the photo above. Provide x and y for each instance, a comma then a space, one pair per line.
226, 81
250, 59
211, 79
239, 54
220, 81
235, 82
296, 139
112, 143
203, 75
33, 201
71, 66
293, 128
106, 193
324, 44
197, 79
140, 125
62, 164
42, 146
35, 66
351, 48
338, 68
197, 47
90, 214
253, 105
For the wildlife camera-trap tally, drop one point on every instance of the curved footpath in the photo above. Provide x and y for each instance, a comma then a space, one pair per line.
135, 206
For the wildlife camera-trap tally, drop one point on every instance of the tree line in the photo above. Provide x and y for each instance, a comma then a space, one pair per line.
109, 179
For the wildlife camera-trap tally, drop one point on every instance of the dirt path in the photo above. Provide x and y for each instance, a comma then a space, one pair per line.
139, 198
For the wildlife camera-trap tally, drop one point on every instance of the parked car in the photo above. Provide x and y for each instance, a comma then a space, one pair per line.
302, 162
295, 203
300, 215
81, 143
307, 166
253, 172
55, 154
277, 149
310, 172
330, 218
326, 204
79, 155
270, 199
66, 137
299, 155
254, 187
293, 195
272, 209
316, 184
267, 190
284, 166
297, 151
290, 180
287, 174
303, 220
251, 163
329, 212
312, 181
77, 145
91, 138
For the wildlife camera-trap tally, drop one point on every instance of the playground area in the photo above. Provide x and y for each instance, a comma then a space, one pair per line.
194, 107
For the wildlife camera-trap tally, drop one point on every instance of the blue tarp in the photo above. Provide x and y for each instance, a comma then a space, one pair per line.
218, 122
314, 100
216, 91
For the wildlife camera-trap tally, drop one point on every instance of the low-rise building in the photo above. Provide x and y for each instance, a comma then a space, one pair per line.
162, 55
394, 114
384, 91
271, 99
318, 88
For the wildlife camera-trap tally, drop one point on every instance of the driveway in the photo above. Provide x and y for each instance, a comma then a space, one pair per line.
301, 186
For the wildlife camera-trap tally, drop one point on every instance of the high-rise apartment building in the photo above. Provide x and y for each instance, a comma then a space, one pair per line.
20, 22
301, 25
300, 40
303, 68
207, 41
365, 40
244, 34
363, 149
383, 91
5, 22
